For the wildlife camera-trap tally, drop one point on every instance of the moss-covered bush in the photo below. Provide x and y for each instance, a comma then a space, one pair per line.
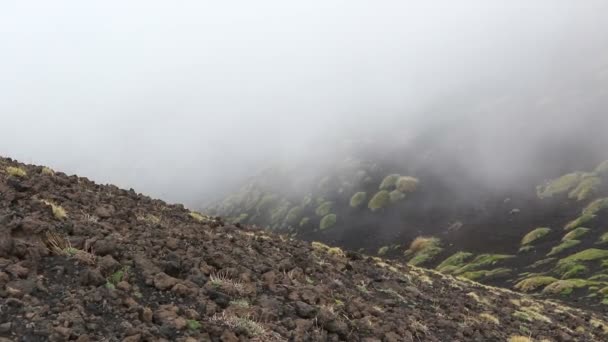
579, 221
575, 234
304, 221
357, 199
423, 249
563, 246
294, 214
380, 200
396, 196
481, 262
328, 221
535, 235
454, 262
323, 209
533, 283
560, 185
586, 255
407, 184
586, 188
389, 182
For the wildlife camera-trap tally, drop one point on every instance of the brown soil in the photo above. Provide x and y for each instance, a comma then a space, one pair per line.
124, 267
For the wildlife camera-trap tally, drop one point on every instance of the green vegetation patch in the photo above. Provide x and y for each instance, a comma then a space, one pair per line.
596, 206
570, 270
324, 209
542, 262
328, 221
407, 184
482, 261
380, 200
580, 221
389, 181
357, 199
575, 234
563, 246
193, 324
535, 235
602, 169
304, 221
533, 283
423, 249
454, 262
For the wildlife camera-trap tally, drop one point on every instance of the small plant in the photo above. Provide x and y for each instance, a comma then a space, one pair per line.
199, 217
533, 283
489, 318
328, 221
454, 262
304, 221
149, 218
383, 250
223, 281
118, 276
193, 324
241, 303
423, 249
62, 246
58, 210
16, 172
575, 234
110, 286
247, 324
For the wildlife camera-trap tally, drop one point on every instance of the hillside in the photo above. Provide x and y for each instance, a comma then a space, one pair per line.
86, 262
430, 208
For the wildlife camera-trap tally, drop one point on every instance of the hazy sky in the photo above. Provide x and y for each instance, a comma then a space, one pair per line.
180, 99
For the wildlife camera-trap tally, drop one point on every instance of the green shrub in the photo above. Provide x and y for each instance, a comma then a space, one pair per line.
357, 199
482, 261
304, 221
328, 221
193, 324
278, 213
396, 196
533, 283
423, 249
586, 255
586, 188
575, 234
560, 185
602, 169
535, 235
584, 219
487, 274
563, 246
453, 262
603, 238
324, 209
565, 287
293, 215
570, 269
389, 182
407, 184
596, 206
380, 200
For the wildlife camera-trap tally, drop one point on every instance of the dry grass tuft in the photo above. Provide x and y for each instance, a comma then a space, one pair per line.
420, 243
223, 281
16, 172
520, 339
58, 210
59, 245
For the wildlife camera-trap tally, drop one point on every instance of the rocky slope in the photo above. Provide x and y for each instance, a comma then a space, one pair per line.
81, 261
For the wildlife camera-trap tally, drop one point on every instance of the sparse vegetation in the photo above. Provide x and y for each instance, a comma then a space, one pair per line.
602, 169
149, 218
383, 250
223, 281
565, 287
193, 324
603, 238
357, 199
570, 269
16, 172
486, 274
519, 338
563, 246
586, 188
535, 235
47, 171
246, 324
294, 214
489, 318
389, 182
304, 221
198, 216
482, 261
580, 221
586, 255
406, 184
380, 200
59, 245
328, 221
